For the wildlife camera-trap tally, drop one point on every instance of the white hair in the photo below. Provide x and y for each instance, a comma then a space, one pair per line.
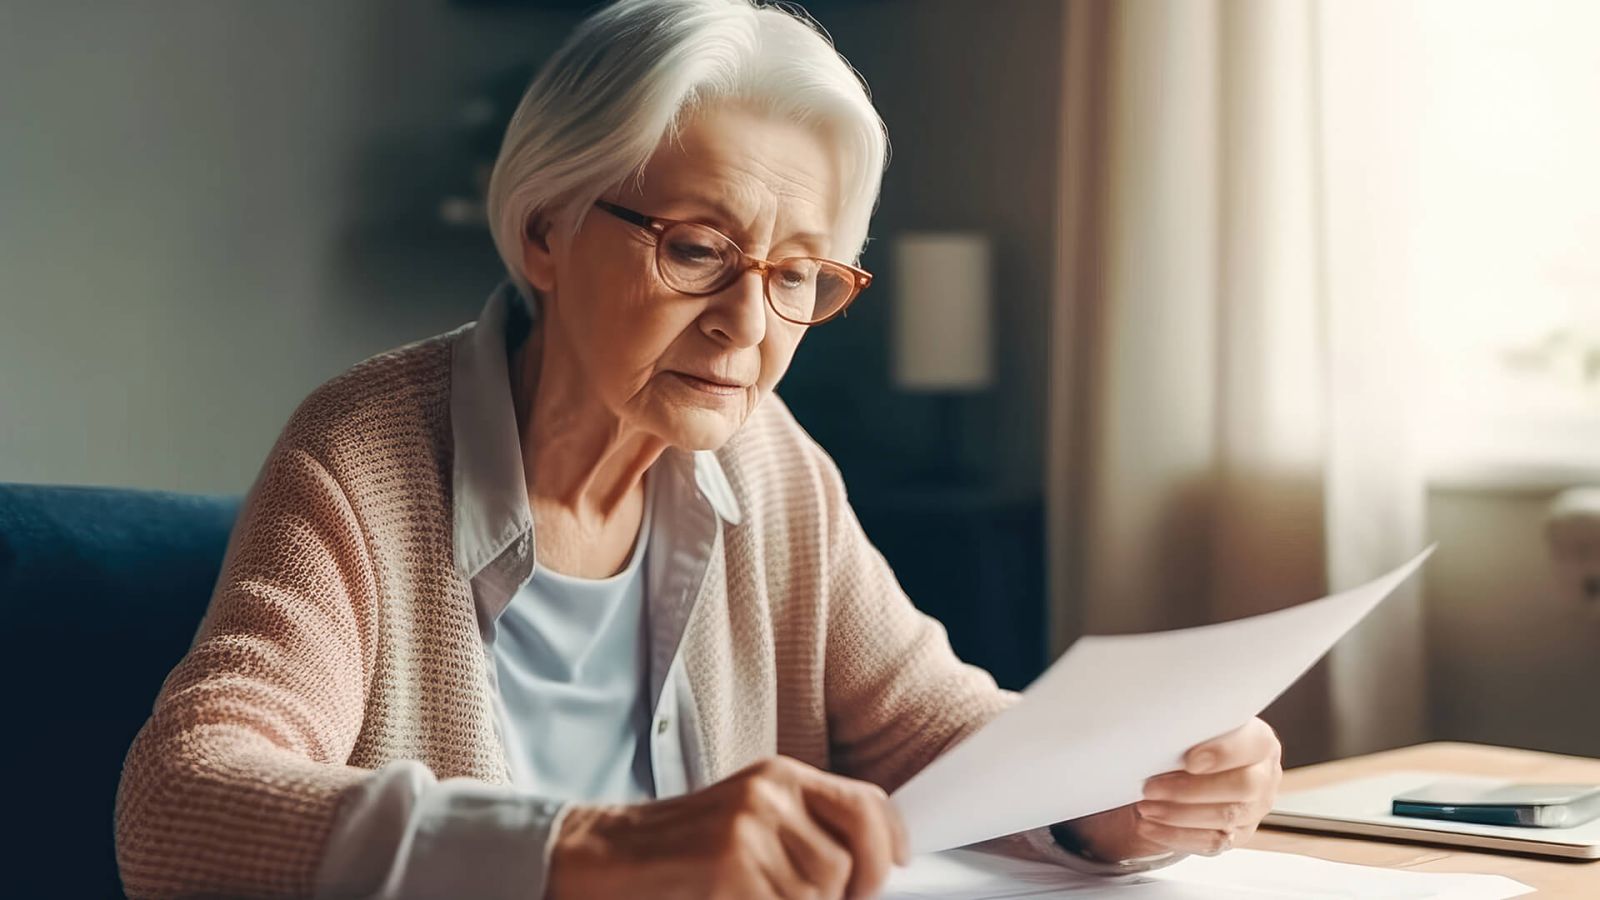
635, 71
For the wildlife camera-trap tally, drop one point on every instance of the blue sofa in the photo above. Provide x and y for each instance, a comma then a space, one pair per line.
102, 590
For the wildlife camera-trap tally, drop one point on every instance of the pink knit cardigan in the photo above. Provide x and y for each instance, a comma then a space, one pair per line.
341, 637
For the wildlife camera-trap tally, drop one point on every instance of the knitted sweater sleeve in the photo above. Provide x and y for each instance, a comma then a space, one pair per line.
897, 695
232, 784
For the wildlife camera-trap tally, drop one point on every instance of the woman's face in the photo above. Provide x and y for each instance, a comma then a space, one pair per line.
688, 369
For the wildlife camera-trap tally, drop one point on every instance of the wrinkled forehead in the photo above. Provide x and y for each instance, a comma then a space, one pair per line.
748, 174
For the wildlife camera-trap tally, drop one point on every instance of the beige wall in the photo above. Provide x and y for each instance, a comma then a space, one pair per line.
1511, 659
200, 219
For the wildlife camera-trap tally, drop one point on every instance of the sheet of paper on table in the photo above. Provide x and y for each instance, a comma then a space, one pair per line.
1235, 875
1116, 710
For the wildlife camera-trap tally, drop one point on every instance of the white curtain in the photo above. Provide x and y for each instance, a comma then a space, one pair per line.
1230, 358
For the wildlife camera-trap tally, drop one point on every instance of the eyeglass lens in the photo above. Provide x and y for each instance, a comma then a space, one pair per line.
698, 260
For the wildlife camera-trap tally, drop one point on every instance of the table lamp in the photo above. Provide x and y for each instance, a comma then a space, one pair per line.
942, 331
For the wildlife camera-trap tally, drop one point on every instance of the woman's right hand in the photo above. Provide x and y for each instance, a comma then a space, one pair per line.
777, 828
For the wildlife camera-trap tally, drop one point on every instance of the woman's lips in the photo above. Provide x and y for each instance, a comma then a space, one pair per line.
706, 385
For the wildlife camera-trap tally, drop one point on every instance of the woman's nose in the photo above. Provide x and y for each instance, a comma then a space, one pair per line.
737, 314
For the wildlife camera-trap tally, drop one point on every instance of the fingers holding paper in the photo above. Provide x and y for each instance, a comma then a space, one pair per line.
1227, 786
1252, 742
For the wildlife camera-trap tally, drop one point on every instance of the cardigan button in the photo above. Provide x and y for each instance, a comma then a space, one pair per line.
661, 725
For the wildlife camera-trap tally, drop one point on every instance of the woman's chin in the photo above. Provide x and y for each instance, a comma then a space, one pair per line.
700, 428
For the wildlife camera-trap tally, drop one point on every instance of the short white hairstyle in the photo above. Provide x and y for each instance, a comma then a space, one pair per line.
634, 72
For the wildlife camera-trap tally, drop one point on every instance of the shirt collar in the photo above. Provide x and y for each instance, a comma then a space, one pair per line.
490, 505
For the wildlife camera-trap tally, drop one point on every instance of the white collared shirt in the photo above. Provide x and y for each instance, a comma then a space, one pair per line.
404, 833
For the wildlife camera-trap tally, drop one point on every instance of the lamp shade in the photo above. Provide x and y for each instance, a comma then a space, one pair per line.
942, 303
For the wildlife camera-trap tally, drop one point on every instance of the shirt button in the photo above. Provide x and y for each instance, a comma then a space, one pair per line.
522, 546
661, 725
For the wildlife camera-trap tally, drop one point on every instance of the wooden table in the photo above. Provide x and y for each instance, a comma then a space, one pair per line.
1553, 877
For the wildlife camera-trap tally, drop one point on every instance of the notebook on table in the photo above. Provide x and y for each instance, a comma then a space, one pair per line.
1361, 807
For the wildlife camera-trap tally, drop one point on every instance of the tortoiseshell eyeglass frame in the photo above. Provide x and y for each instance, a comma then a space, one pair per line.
859, 278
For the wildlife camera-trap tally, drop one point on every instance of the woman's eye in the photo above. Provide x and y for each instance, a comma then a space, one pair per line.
797, 274
692, 252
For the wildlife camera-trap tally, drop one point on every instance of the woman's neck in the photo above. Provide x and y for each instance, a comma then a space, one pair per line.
578, 456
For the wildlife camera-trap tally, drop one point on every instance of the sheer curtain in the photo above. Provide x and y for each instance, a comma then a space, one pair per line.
1232, 358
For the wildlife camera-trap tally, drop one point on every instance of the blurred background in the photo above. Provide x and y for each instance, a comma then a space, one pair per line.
1256, 300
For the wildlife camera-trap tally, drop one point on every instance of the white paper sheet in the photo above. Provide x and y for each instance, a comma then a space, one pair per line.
1235, 875
1116, 710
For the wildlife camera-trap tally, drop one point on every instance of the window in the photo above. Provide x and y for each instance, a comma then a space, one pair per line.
1507, 238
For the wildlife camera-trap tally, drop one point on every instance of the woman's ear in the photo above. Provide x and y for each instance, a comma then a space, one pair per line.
538, 256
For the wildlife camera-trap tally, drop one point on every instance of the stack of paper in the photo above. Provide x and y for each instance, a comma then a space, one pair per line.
1363, 806
1235, 875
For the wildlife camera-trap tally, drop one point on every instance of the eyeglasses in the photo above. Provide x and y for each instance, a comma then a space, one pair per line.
693, 258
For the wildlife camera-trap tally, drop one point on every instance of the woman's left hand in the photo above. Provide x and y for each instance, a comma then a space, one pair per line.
1226, 787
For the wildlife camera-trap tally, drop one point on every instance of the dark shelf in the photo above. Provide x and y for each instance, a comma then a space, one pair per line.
973, 558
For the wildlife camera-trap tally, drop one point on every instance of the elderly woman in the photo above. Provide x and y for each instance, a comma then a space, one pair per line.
564, 602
